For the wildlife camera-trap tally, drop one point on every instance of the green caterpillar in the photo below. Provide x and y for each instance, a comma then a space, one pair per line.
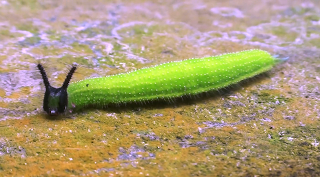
164, 81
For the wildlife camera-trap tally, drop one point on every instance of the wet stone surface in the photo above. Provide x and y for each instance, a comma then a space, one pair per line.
267, 126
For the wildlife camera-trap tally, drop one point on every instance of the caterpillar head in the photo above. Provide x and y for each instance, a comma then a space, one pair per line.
55, 99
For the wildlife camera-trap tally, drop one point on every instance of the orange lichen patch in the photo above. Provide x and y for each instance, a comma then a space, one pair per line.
186, 158
2, 93
4, 105
25, 90
22, 92
227, 129
2, 57
21, 122
285, 88
302, 110
85, 155
61, 78
241, 127
302, 107
154, 144
15, 95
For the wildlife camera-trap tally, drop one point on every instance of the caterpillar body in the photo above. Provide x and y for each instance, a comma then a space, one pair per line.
164, 81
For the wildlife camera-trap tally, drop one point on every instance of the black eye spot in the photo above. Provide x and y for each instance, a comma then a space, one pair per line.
87, 85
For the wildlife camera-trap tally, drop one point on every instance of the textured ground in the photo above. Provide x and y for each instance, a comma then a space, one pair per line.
268, 125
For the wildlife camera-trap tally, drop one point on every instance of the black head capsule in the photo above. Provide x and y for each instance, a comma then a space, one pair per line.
55, 99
